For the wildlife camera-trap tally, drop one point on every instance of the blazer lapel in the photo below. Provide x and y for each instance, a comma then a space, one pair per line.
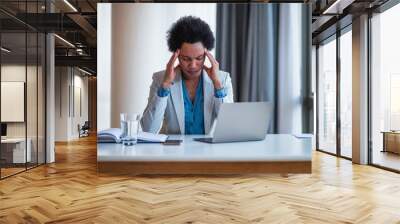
208, 89
177, 100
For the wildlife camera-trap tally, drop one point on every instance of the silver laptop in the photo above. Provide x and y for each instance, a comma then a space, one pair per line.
241, 122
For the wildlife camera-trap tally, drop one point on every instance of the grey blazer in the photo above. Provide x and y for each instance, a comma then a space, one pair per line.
168, 112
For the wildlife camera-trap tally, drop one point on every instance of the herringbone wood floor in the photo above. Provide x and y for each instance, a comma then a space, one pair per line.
71, 191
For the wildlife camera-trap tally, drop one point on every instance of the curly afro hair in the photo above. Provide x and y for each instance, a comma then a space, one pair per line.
190, 29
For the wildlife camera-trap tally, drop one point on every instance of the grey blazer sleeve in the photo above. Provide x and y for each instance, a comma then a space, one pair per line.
227, 84
153, 115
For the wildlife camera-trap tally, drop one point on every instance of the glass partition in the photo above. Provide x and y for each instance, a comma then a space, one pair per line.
32, 95
41, 107
22, 91
14, 154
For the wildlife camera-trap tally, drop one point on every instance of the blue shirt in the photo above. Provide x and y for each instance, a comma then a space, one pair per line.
194, 111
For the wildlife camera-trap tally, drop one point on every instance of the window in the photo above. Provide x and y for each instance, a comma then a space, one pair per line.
327, 96
346, 93
385, 85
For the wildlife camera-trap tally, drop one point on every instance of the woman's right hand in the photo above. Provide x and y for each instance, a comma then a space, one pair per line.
170, 70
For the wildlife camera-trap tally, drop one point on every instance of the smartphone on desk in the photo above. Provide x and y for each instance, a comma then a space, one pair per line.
173, 140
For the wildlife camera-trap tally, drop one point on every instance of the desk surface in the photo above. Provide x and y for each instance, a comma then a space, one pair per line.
13, 140
390, 132
280, 147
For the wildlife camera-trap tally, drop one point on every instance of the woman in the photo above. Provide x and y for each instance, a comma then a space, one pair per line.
185, 99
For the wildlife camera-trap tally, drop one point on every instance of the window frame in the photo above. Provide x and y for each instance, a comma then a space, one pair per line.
334, 37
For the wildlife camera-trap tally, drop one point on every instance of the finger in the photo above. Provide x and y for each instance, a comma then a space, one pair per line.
211, 57
173, 57
207, 69
208, 57
176, 55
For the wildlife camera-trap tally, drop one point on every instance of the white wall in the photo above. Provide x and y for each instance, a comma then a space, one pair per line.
79, 117
67, 116
138, 49
103, 65
50, 93
61, 103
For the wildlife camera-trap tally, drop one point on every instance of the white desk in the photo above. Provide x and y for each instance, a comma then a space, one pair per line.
276, 154
17, 149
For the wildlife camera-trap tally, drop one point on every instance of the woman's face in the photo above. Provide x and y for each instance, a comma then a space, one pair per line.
191, 59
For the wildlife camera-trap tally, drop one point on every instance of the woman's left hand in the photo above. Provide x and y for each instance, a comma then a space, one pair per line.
213, 70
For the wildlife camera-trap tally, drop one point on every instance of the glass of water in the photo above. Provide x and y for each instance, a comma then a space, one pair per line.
124, 128
130, 128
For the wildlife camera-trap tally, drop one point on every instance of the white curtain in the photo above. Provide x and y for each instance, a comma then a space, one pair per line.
267, 50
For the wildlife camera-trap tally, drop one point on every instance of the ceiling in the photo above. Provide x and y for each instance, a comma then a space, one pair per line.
76, 22
332, 15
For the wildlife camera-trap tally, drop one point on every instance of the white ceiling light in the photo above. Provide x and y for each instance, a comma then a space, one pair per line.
337, 7
70, 5
5, 50
84, 71
65, 41
79, 51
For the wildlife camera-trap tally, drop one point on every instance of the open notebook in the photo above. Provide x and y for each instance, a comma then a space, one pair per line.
113, 135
